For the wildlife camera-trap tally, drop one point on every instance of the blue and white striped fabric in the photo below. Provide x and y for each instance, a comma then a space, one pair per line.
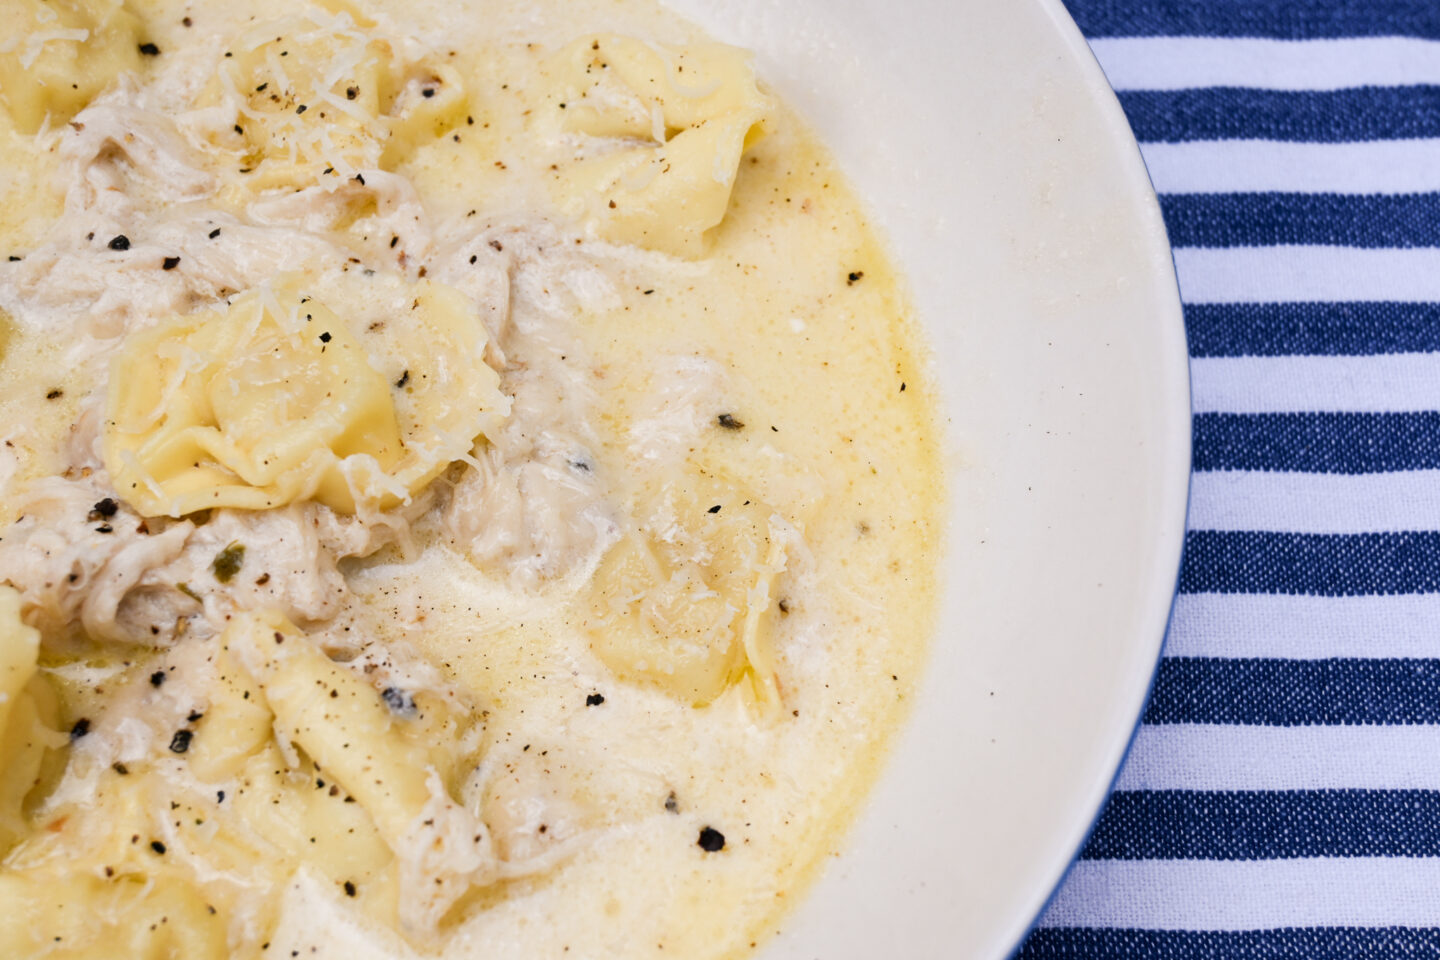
1283, 797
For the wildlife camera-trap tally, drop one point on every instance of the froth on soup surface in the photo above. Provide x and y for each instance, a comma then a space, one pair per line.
470, 484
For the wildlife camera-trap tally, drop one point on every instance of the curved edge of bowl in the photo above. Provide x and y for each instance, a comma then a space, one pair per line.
1178, 362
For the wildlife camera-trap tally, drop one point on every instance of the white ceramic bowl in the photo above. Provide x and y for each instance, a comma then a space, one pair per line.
990, 148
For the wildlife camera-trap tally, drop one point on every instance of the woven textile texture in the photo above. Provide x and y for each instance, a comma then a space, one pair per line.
1282, 799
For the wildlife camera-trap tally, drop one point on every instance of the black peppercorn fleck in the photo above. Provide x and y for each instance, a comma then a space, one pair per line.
711, 840
594, 700
398, 701
121, 242
181, 741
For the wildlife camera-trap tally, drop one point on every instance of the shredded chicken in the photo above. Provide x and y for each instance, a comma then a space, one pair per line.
76, 556
533, 503
86, 564
138, 240
683, 401
397, 227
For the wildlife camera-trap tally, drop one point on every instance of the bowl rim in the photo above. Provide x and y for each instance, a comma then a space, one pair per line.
1108, 102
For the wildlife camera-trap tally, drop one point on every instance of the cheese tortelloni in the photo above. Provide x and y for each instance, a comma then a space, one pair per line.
673, 122
355, 735
67, 915
276, 399
27, 717
236, 727
683, 601
319, 97
57, 55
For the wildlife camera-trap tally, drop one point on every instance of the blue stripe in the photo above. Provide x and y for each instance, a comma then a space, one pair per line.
1293, 943
1313, 329
1320, 116
1278, 19
1314, 564
1266, 825
1317, 442
1289, 693
1267, 219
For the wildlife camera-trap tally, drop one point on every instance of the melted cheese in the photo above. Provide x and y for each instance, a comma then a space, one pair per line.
586, 536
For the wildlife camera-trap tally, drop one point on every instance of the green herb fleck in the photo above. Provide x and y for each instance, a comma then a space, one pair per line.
228, 562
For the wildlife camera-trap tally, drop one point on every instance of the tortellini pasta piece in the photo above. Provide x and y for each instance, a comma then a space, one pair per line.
322, 95
276, 398
26, 716
351, 731
681, 602
235, 727
685, 116
56, 55
76, 916
19, 651
276, 819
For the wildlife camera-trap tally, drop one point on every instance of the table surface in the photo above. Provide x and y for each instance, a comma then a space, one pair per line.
1282, 799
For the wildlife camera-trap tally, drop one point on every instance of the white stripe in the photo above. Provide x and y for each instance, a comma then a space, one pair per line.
1239, 166
1177, 63
1229, 757
1301, 627
1250, 895
1399, 382
1306, 274
1315, 502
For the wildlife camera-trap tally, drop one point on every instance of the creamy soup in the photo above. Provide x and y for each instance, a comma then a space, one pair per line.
470, 481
